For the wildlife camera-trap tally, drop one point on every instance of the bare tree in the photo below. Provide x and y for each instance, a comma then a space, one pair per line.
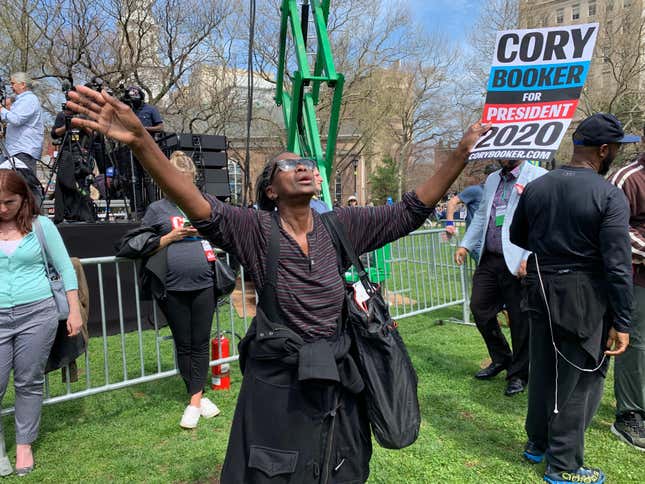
615, 82
420, 112
152, 43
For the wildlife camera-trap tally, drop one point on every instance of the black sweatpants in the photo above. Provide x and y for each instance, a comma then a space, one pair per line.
561, 434
190, 317
493, 288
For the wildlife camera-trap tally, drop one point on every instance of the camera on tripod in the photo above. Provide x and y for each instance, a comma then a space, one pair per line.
96, 83
133, 96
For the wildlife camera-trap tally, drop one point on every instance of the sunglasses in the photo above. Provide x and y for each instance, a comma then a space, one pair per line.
292, 164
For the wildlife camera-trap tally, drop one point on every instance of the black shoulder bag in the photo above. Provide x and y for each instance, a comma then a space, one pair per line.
383, 360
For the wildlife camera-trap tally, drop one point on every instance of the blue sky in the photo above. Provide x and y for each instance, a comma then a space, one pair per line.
453, 18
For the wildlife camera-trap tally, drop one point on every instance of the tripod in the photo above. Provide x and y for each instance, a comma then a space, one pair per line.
74, 168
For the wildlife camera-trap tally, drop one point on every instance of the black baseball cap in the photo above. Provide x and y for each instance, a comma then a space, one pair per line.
600, 129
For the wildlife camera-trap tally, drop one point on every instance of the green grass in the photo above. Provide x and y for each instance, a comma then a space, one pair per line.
470, 431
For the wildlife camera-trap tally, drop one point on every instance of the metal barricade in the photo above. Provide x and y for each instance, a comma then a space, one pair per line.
422, 277
140, 356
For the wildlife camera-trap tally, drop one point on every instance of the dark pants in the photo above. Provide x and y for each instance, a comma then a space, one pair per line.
494, 287
579, 393
137, 185
30, 175
190, 317
69, 202
629, 368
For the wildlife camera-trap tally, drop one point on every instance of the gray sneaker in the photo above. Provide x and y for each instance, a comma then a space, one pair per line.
630, 428
5, 465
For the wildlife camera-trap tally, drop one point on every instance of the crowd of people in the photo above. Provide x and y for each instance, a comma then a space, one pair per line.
572, 282
81, 163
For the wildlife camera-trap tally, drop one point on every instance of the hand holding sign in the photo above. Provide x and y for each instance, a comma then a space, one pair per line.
472, 134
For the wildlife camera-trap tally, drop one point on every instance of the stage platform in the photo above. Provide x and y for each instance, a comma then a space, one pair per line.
85, 240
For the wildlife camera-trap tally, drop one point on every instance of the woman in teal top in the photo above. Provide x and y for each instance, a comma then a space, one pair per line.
28, 314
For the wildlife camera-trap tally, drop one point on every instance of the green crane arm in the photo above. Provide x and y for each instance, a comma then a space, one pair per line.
299, 104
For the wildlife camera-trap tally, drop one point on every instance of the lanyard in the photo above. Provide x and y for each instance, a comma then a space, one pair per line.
505, 183
182, 212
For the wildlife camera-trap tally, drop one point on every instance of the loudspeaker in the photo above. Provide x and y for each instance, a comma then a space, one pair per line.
210, 142
214, 159
216, 182
209, 154
196, 142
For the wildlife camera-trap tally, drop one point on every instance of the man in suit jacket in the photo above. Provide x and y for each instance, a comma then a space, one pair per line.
496, 282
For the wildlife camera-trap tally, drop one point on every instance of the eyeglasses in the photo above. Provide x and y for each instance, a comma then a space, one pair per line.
292, 164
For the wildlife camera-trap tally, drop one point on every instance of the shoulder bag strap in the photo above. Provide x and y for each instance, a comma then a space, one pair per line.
339, 234
268, 298
40, 235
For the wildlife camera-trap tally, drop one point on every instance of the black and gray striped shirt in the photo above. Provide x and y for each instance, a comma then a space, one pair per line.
310, 290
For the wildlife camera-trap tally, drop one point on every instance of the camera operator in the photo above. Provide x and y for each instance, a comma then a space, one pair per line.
25, 131
74, 170
149, 116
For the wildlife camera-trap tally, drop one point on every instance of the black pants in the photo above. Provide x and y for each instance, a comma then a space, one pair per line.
69, 203
30, 175
493, 288
579, 393
190, 317
137, 185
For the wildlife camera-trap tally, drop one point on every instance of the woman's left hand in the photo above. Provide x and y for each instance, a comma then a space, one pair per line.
74, 320
74, 323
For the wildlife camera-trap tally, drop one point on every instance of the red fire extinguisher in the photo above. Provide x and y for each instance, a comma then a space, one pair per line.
221, 377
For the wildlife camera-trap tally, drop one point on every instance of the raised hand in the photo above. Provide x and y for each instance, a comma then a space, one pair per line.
105, 114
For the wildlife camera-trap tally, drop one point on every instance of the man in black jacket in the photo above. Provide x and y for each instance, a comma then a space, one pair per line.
576, 225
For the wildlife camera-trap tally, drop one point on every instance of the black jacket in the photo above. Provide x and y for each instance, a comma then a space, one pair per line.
143, 243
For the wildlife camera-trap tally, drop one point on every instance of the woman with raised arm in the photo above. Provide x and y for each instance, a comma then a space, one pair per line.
300, 415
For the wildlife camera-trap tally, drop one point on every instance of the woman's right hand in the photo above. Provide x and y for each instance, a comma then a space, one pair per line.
460, 255
177, 234
105, 114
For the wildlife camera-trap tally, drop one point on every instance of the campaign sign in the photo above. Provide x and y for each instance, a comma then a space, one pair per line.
533, 90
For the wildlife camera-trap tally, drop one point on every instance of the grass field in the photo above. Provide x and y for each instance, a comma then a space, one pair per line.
470, 431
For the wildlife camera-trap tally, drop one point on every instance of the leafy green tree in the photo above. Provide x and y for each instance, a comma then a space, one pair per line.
384, 181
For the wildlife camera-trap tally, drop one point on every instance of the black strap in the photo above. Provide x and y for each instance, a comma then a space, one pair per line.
268, 297
340, 238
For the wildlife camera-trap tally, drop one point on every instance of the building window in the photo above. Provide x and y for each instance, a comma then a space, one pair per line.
627, 3
592, 9
235, 181
339, 188
610, 5
559, 16
575, 12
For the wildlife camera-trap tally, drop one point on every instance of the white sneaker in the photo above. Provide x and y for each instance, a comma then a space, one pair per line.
190, 418
208, 409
